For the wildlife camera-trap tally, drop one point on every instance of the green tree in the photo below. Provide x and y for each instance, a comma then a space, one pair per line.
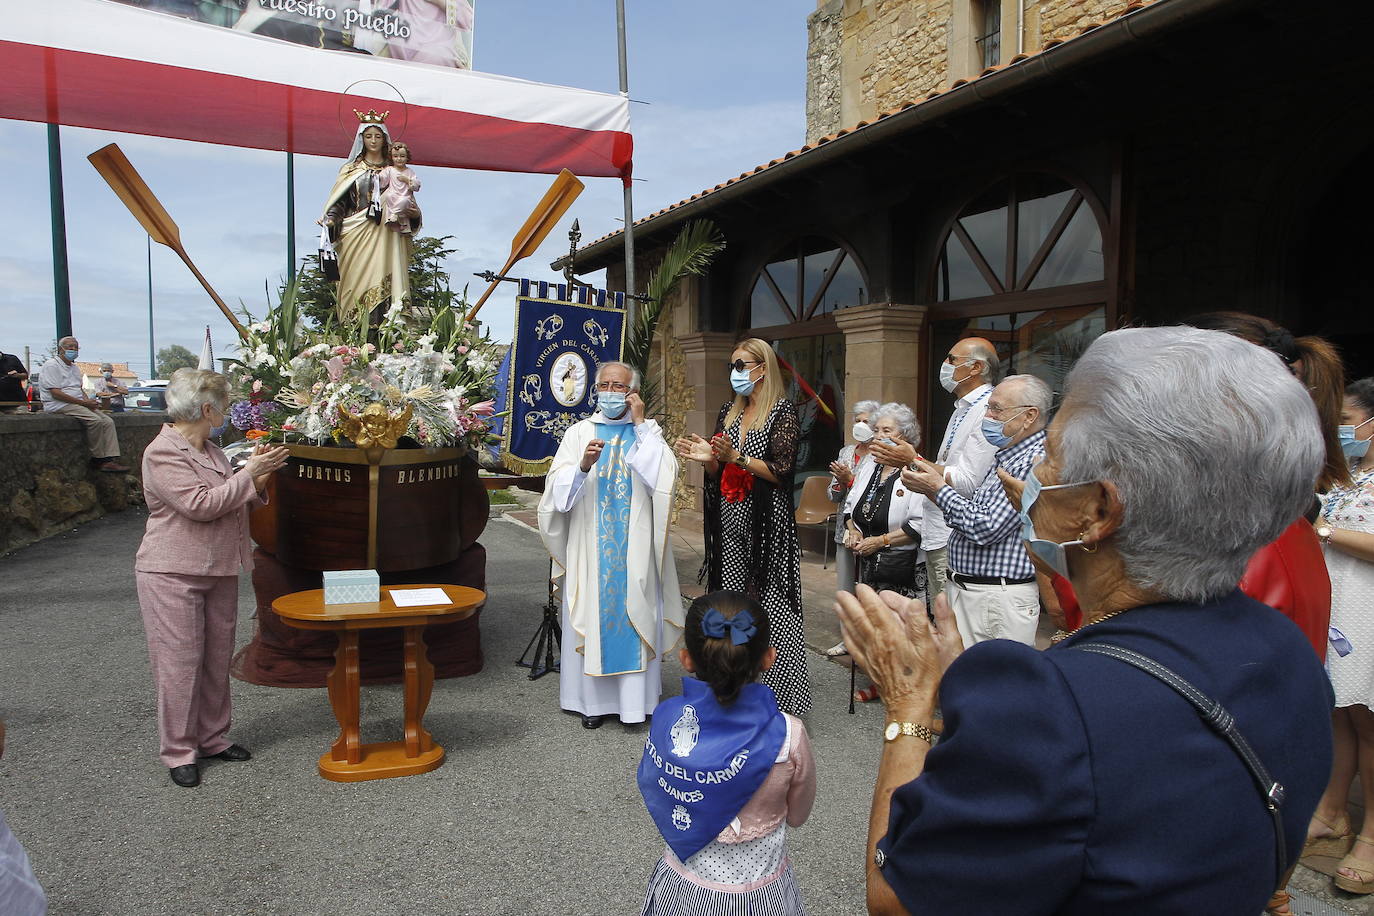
170, 359
429, 282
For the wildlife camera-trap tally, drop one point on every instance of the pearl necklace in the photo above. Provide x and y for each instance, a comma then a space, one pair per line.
1065, 634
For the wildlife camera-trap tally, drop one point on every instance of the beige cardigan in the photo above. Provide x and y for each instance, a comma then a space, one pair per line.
197, 510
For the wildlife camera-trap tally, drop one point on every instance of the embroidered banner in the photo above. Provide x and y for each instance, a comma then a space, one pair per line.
553, 358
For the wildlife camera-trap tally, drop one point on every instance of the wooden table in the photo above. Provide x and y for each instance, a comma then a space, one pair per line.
349, 760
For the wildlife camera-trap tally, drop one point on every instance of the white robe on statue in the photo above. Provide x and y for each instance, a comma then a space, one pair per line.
573, 534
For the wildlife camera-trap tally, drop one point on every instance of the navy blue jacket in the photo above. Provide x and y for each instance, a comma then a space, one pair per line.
1069, 782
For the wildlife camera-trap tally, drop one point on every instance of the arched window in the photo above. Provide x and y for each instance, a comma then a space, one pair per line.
808, 278
1029, 232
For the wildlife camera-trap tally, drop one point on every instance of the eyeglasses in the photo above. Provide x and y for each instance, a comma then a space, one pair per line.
994, 408
739, 364
611, 386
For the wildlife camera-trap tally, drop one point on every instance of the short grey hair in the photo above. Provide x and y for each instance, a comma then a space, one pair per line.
1213, 445
189, 389
988, 356
1032, 392
866, 407
634, 373
62, 341
903, 416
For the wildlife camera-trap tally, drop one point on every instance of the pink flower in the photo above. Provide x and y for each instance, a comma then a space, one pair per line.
484, 409
347, 360
462, 349
341, 350
288, 426
257, 384
335, 368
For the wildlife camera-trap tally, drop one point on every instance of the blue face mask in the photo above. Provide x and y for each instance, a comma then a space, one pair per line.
217, 431
71, 354
994, 430
1051, 553
740, 381
1353, 448
611, 404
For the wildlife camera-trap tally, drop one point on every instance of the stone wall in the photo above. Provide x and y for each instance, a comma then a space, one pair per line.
46, 483
865, 57
1064, 19
823, 70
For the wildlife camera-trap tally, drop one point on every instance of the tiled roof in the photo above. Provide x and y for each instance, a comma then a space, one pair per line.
961, 84
121, 370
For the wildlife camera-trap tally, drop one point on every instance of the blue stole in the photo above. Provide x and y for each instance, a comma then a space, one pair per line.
703, 762
621, 646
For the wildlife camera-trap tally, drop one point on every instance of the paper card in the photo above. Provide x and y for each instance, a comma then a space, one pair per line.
418, 597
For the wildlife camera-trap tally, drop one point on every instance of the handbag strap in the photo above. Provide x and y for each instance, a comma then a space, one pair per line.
1224, 724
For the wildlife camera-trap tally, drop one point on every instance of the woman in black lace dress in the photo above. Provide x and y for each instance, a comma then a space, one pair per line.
748, 520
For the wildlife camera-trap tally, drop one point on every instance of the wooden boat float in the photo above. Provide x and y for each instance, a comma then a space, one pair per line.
385, 509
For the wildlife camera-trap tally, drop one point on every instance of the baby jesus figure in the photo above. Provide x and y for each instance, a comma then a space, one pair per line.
399, 183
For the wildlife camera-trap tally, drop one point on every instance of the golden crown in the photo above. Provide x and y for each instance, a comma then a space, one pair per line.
371, 117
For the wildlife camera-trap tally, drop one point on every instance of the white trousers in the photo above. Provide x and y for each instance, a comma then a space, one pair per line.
995, 611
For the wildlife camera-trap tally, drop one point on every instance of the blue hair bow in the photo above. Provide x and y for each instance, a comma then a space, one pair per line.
740, 627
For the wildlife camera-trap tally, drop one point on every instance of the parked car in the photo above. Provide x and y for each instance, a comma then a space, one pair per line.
146, 399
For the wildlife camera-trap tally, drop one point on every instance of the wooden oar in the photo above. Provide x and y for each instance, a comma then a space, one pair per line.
121, 175
553, 205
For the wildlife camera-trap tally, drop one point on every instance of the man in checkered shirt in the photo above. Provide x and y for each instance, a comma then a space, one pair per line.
992, 588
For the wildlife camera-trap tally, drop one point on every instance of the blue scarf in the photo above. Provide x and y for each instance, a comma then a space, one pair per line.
703, 761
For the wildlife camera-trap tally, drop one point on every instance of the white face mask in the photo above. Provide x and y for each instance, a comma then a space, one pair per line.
947, 381
862, 432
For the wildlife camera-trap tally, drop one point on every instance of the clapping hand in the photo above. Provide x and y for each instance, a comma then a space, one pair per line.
894, 455
925, 478
723, 449
843, 474
904, 651
694, 448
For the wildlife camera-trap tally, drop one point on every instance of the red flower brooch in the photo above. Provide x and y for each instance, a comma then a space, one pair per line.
735, 483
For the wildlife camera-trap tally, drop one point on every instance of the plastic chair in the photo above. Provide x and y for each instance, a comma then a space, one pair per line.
816, 508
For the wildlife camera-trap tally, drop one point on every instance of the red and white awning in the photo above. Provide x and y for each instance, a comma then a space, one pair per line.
101, 64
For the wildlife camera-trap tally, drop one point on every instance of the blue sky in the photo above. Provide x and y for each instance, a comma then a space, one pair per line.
725, 86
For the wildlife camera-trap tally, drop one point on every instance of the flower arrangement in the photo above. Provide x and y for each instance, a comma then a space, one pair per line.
735, 483
298, 382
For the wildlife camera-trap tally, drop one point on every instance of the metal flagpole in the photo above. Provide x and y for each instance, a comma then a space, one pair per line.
629, 203
290, 217
61, 283
152, 353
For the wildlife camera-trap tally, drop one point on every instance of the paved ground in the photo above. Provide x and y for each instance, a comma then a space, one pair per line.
530, 814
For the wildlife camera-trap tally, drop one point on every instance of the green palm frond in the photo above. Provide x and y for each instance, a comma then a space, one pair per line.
695, 247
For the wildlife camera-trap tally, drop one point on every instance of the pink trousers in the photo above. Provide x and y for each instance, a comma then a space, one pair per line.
189, 621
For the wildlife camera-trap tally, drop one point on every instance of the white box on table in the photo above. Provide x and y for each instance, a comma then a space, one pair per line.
350, 586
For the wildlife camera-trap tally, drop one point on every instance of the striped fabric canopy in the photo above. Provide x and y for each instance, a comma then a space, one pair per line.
101, 64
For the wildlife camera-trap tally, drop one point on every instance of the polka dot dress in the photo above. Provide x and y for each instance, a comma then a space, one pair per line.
782, 587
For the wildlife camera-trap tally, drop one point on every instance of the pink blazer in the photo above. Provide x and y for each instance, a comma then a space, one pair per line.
197, 510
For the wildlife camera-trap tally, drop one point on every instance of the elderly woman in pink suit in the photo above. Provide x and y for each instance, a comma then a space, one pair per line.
187, 569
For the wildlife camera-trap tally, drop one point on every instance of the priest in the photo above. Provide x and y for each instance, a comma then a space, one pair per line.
604, 519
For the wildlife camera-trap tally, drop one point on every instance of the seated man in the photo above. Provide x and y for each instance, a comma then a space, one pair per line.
59, 382
992, 588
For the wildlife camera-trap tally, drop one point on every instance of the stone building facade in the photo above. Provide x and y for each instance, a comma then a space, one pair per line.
869, 56
1132, 169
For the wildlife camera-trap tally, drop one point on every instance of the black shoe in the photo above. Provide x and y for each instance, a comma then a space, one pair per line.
234, 752
187, 775
593, 721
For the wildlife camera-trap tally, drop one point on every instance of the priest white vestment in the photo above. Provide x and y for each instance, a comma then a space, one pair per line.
607, 531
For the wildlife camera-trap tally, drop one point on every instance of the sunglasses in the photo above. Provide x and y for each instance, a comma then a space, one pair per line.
740, 364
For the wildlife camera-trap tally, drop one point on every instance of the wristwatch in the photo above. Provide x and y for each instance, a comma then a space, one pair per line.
895, 730
1324, 532
742, 461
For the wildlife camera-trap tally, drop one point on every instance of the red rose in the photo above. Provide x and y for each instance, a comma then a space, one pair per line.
735, 483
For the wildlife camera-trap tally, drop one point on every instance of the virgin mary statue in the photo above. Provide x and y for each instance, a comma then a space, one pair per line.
373, 261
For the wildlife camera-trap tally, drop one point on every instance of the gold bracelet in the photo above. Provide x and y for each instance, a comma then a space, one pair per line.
895, 730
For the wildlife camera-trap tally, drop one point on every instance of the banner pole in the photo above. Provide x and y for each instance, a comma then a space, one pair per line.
290, 217
152, 357
61, 282
629, 201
